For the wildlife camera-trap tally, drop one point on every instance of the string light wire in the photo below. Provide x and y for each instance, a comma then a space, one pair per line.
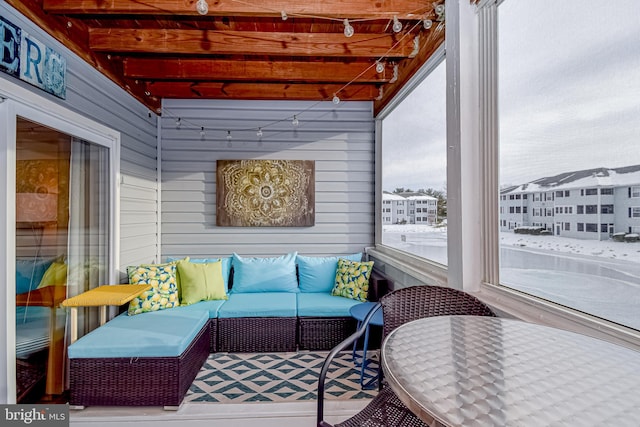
294, 119
300, 113
418, 12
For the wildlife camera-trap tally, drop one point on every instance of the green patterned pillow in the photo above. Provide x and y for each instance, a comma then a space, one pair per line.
352, 279
163, 293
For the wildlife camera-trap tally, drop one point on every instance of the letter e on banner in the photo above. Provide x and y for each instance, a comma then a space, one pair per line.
10, 37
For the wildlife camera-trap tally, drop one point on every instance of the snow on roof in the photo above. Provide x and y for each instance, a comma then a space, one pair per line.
413, 196
391, 196
598, 177
425, 197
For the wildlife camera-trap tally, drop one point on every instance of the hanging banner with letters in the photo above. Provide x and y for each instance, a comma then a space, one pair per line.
26, 58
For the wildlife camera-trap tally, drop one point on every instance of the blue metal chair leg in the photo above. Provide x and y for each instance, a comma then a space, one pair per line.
354, 353
363, 365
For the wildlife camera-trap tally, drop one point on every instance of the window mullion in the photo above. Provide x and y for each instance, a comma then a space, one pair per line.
489, 136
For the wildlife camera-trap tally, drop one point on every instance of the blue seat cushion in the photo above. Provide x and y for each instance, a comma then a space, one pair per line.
265, 304
211, 307
164, 333
324, 305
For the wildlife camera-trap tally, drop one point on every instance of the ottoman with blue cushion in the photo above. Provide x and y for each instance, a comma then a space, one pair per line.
258, 322
148, 359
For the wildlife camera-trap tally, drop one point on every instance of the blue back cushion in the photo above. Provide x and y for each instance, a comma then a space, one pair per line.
29, 272
264, 274
318, 274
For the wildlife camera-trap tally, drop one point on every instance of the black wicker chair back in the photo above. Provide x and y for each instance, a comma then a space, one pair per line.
399, 307
417, 302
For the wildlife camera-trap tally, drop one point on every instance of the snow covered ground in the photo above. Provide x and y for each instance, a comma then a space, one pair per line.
597, 277
605, 248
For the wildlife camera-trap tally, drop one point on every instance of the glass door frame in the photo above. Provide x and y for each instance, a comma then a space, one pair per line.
16, 101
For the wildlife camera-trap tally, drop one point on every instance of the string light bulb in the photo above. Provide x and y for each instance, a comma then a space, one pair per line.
397, 25
202, 7
229, 137
295, 121
348, 29
427, 23
259, 133
202, 132
336, 99
178, 122
439, 9
284, 16
379, 67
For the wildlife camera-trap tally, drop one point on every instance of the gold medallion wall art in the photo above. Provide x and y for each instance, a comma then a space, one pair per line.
265, 193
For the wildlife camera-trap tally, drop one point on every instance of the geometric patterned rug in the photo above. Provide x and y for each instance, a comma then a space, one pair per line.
275, 377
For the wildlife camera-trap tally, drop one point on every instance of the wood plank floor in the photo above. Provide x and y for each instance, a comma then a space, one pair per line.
299, 414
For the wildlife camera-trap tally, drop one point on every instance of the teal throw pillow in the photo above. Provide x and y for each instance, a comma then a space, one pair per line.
318, 274
264, 274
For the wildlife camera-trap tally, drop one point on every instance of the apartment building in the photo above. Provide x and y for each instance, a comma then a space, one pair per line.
586, 204
409, 208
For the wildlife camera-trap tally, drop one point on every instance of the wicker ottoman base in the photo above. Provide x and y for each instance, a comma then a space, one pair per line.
145, 381
324, 333
257, 334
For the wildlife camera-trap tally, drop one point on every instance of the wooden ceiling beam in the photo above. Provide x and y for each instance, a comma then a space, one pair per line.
193, 42
225, 69
404, 9
264, 91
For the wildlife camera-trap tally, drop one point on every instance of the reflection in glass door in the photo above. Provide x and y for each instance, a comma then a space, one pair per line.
62, 248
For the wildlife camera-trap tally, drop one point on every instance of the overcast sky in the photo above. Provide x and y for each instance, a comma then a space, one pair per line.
569, 97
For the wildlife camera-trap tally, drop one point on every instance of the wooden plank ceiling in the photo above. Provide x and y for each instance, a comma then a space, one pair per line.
246, 49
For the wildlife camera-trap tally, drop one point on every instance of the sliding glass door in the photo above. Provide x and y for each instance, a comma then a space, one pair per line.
61, 220
62, 225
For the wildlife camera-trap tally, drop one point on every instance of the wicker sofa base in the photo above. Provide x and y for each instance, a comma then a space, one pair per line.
324, 333
145, 381
213, 336
257, 334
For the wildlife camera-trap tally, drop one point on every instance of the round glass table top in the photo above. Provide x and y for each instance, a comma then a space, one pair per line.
486, 371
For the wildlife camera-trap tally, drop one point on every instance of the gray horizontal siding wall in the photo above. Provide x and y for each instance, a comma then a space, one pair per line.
93, 95
339, 138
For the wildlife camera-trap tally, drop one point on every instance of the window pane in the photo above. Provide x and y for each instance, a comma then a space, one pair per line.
414, 171
569, 106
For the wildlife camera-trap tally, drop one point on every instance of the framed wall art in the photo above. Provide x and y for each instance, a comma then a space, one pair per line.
265, 193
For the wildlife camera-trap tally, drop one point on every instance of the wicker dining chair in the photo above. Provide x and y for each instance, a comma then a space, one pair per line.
399, 307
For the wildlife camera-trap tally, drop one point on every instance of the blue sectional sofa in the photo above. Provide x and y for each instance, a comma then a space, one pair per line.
274, 304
